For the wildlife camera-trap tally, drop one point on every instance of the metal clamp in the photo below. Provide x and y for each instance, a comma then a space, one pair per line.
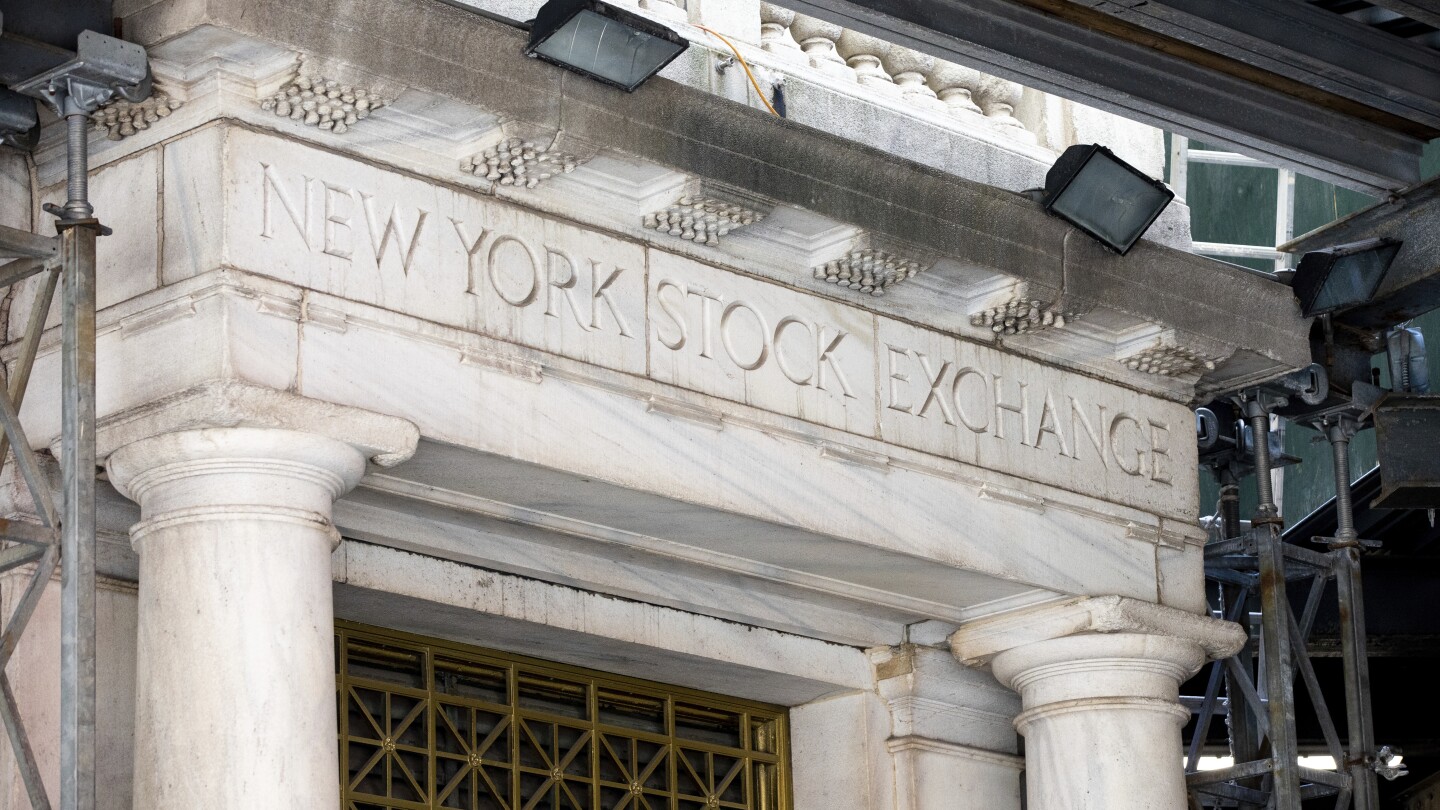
103, 68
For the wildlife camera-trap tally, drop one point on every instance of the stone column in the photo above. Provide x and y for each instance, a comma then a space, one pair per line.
1098, 679
235, 705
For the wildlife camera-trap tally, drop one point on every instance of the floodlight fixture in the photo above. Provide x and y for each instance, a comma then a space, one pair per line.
1104, 196
611, 45
1342, 276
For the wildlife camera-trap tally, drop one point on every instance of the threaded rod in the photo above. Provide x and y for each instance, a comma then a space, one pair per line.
77, 166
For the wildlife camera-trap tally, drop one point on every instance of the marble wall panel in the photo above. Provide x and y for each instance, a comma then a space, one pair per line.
342, 227
755, 342
455, 258
973, 402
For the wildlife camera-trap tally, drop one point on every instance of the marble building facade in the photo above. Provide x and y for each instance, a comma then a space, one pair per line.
403, 329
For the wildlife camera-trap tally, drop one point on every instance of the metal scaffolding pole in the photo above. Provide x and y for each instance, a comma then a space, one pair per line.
1345, 548
103, 69
78, 230
1262, 715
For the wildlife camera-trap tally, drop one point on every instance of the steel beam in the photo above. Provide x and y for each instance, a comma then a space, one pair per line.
1412, 285
1088, 56
16, 556
29, 600
1305, 43
1425, 11
20, 747
26, 245
21, 269
29, 346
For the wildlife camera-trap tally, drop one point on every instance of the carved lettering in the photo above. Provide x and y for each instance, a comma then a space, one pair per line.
1159, 448
555, 293
472, 247
1050, 424
558, 288
826, 358
934, 395
529, 282
899, 397
785, 367
960, 411
336, 223
1022, 409
675, 310
272, 187
1122, 456
392, 233
1080, 424
707, 345
727, 336
600, 291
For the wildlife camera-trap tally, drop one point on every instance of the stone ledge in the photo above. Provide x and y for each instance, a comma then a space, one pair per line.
975, 644
385, 440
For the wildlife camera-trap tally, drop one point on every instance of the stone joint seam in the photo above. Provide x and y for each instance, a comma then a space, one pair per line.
1179, 713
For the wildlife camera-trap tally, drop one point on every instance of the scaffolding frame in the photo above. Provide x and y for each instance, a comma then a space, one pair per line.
65, 536
1260, 700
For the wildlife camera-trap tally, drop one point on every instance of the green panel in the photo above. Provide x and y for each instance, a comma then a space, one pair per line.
1264, 265
1430, 160
1232, 204
1318, 203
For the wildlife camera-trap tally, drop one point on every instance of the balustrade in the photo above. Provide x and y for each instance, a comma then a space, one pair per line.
966, 94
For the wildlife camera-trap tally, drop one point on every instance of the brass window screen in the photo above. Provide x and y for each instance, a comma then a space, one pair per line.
427, 724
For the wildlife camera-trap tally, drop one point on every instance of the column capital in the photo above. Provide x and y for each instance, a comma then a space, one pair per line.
976, 643
382, 439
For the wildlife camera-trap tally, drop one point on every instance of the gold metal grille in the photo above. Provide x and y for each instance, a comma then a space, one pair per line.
426, 724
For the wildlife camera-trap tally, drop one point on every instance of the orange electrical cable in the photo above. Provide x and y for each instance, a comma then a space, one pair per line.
743, 64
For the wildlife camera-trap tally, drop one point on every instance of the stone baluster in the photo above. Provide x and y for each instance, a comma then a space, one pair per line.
775, 35
865, 55
1099, 679
817, 39
998, 98
955, 85
909, 69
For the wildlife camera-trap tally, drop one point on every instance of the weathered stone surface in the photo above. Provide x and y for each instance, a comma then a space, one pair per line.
719, 333
330, 224
685, 129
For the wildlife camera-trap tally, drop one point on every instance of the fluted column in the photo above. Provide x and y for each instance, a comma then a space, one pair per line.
235, 703
1099, 679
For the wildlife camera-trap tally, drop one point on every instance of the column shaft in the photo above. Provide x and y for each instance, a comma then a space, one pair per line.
236, 687
1102, 720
